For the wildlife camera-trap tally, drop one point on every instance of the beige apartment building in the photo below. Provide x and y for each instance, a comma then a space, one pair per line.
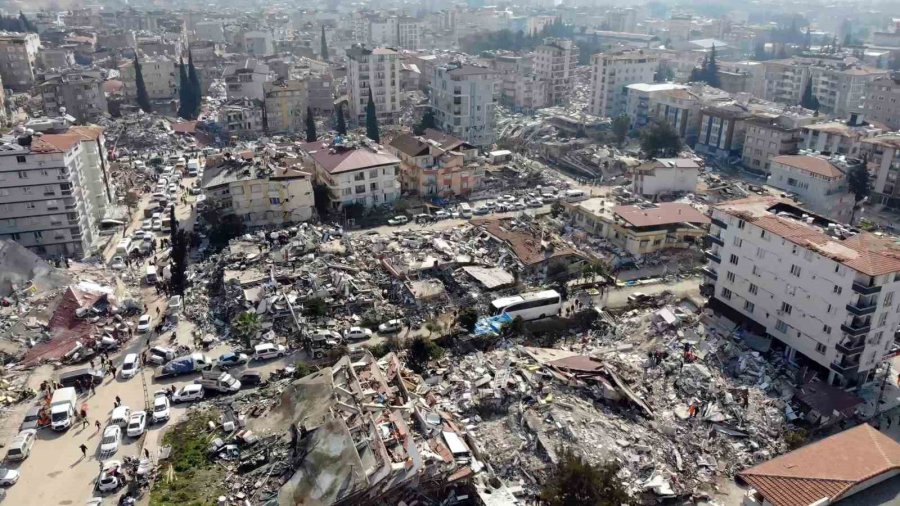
839, 87
18, 57
611, 73
554, 63
377, 70
882, 102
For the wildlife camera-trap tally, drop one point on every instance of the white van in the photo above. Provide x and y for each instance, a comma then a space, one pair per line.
123, 247
129, 366
193, 167
120, 416
151, 275
575, 196
465, 210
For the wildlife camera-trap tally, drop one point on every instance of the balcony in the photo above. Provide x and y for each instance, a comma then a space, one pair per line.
707, 271
862, 308
713, 256
866, 288
851, 347
715, 239
856, 328
719, 223
845, 366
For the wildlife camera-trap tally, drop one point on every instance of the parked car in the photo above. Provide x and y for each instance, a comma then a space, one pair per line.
188, 393
160, 408
423, 218
534, 203
111, 474
159, 355
117, 263
441, 215
390, 326
357, 334
137, 424
32, 418
231, 359
501, 208
517, 206
130, 366
250, 379
20, 447
109, 444
264, 351
120, 416
8, 477
491, 205
398, 220
143, 324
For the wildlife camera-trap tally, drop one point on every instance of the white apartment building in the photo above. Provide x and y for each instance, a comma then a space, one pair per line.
160, 77
379, 70
884, 159
840, 137
54, 191
819, 182
213, 31
826, 294
259, 43
392, 31
242, 117
80, 92
356, 172
464, 99
245, 79
261, 196
882, 101
640, 97
770, 135
554, 62
665, 176
18, 56
839, 88
611, 73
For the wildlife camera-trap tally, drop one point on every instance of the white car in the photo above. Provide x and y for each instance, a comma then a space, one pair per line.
264, 351
109, 444
517, 206
160, 408
390, 326
357, 334
8, 477
136, 424
109, 480
189, 393
441, 215
130, 366
398, 220
20, 447
143, 324
157, 225
117, 263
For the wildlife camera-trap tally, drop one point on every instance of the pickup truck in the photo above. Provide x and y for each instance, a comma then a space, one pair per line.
218, 382
185, 365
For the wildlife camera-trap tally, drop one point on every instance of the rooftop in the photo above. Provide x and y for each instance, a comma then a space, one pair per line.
891, 141
667, 213
829, 468
651, 87
662, 163
339, 158
811, 164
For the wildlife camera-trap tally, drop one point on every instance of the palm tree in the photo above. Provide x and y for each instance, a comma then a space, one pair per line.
246, 325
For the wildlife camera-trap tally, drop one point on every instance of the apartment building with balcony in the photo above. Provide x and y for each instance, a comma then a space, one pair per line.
820, 182
18, 59
355, 171
826, 294
770, 135
839, 87
160, 77
839, 136
377, 70
639, 98
79, 91
436, 165
882, 103
464, 99
285, 105
612, 72
554, 63
883, 152
246, 79
54, 191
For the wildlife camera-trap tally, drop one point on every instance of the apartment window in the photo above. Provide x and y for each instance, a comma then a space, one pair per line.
274, 200
38, 234
820, 348
23, 174
748, 306
786, 308
882, 320
740, 224
730, 276
346, 191
756, 271
373, 173
837, 290
726, 294
795, 270
20, 159
733, 259
373, 186
762, 233
52, 205
780, 326
826, 329
30, 205
738, 242
889, 299
753, 289
760, 253
359, 176
360, 188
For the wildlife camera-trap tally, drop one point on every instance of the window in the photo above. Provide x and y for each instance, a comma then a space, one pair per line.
726, 294
274, 200
738, 242
760, 253
20, 159
795, 270
748, 306
373, 173
741, 224
889, 299
780, 326
360, 188
734, 259
756, 271
52, 204
373, 186
30, 205
882, 319
786, 308
820, 348
753, 289
762, 234
826, 329
346, 191
38, 234
730, 276
23, 174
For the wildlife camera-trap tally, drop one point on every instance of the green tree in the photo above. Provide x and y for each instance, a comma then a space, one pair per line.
660, 140
26, 23
372, 120
420, 351
576, 482
185, 94
246, 325
143, 99
320, 198
556, 209
181, 242
324, 48
341, 121
425, 123
467, 319
808, 100
859, 184
310, 126
620, 126
196, 88
712, 69
315, 307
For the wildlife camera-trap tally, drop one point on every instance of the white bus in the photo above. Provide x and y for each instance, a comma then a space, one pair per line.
530, 306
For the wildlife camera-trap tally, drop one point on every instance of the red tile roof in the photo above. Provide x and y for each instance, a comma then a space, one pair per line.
827, 468
54, 143
338, 160
811, 164
667, 213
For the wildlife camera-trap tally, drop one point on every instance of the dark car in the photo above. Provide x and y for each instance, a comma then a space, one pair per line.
81, 377
250, 379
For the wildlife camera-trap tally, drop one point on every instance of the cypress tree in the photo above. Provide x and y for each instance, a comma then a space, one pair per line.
143, 99
196, 89
712, 69
808, 100
324, 50
310, 126
372, 120
26, 23
185, 94
341, 122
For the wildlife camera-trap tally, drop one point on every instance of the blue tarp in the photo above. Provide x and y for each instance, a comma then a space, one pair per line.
438, 201
491, 325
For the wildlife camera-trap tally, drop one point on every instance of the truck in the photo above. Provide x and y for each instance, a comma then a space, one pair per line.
218, 381
62, 408
185, 365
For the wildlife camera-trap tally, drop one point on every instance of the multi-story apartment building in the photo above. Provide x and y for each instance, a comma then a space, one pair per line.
554, 63
259, 43
824, 292
520, 89
18, 57
80, 92
54, 191
464, 99
840, 137
427, 169
639, 98
209, 30
682, 108
355, 172
377, 70
819, 182
883, 153
285, 105
320, 94
260, 195
839, 88
57, 58
245, 79
770, 135
722, 131
403, 32
665, 176
242, 117
160, 77
882, 103
611, 73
